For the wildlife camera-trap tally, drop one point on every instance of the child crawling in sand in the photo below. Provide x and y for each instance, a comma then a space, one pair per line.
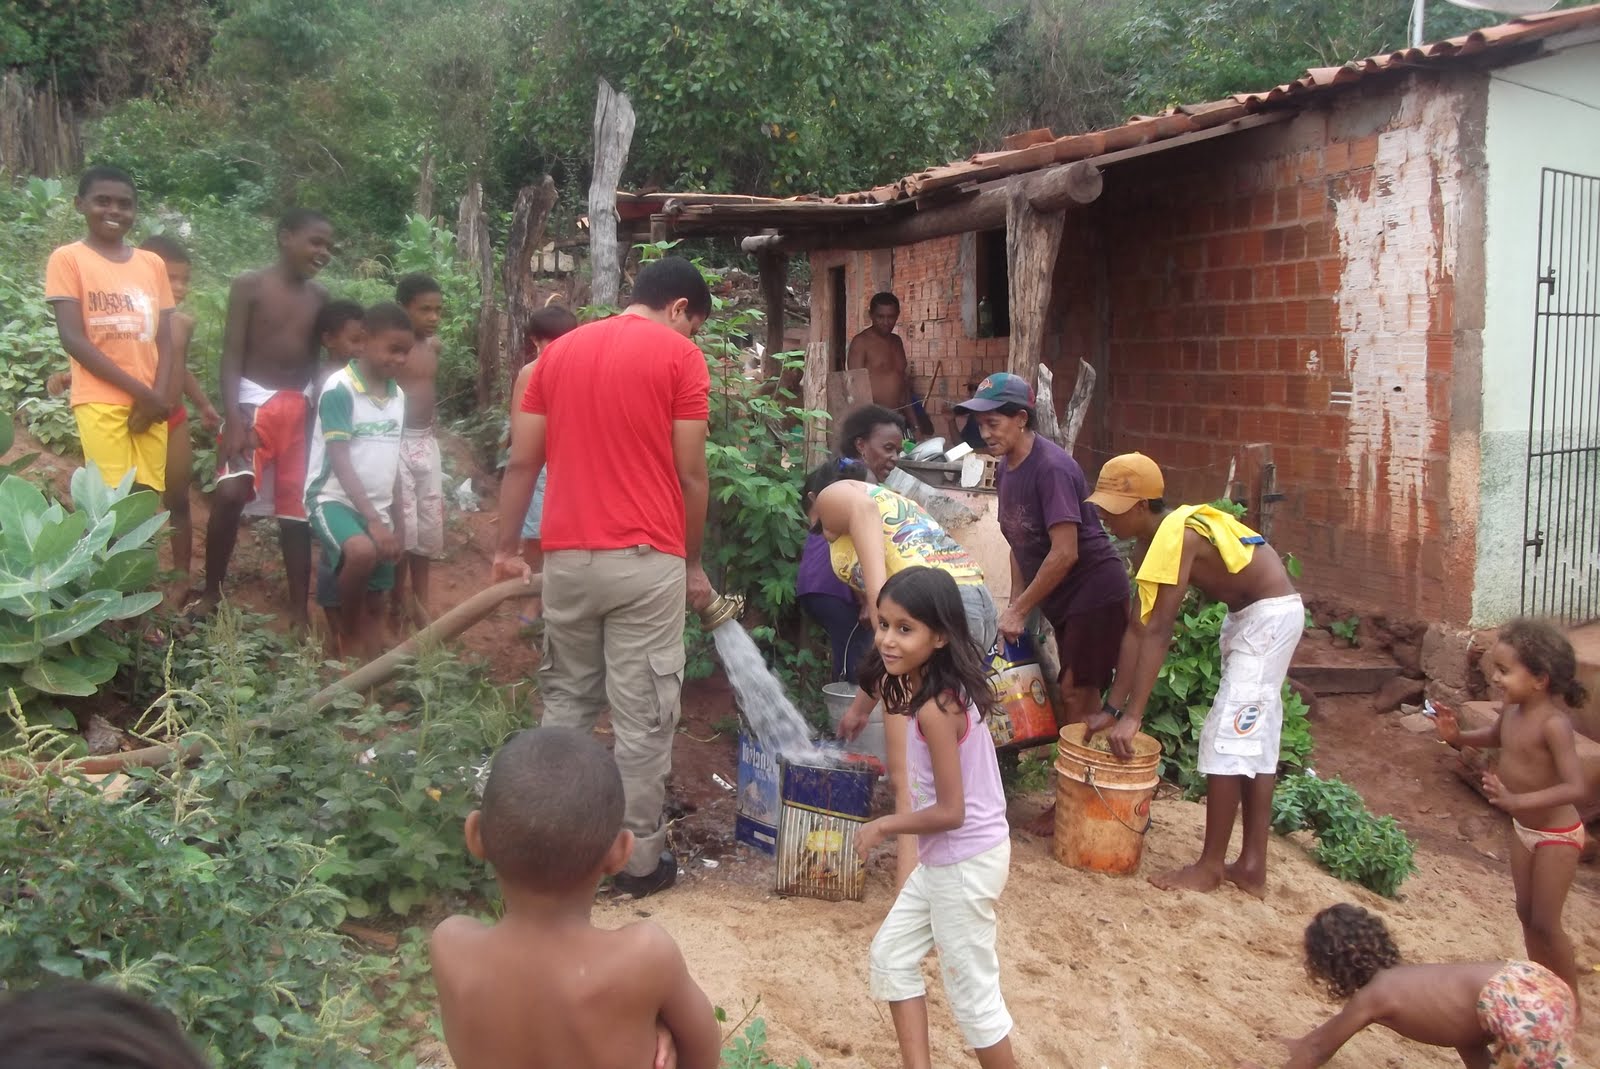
1538, 780
543, 988
1496, 1014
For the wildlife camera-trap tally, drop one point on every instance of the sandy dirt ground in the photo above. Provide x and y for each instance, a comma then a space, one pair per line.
1098, 971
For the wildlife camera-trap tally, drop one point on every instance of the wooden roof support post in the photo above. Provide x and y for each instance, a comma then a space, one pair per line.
774, 274
1033, 240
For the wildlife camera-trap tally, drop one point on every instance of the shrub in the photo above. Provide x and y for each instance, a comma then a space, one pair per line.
63, 575
1352, 843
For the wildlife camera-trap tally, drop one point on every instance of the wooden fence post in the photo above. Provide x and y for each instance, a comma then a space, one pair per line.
613, 134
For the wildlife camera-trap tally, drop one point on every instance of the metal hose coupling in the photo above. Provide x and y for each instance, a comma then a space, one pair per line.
723, 607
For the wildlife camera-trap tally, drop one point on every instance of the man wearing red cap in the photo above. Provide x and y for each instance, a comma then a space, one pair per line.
1224, 560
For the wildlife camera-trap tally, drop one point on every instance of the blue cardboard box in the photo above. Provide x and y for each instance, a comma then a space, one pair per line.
756, 816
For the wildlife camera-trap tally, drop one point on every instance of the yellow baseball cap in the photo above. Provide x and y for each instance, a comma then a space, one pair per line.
1125, 481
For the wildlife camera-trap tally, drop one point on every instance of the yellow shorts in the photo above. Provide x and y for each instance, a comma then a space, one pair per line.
115, 450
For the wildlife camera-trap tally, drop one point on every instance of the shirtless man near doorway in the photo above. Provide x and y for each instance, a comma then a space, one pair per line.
880, 350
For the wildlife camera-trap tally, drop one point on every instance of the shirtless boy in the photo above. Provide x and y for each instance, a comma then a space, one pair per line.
1227, 562
543, 988
269, 359
880, 350
1494, 1013
419, 508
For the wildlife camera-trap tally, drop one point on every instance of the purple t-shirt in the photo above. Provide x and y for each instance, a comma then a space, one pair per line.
1048, 488
816, 571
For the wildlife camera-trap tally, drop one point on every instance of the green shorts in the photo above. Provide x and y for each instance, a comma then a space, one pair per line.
336, 524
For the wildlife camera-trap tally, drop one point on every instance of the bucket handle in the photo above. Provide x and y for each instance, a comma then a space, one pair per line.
1148, 821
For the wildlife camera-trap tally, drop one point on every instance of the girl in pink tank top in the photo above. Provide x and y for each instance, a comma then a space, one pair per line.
928, 667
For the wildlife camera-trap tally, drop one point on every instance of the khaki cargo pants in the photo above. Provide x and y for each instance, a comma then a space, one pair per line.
614, 637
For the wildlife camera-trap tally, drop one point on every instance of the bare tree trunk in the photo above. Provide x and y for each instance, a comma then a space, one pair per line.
473, 245
424, 203
522, 246
613, 134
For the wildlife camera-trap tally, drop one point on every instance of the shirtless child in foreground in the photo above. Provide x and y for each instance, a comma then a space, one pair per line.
269, 359
543, 988
1227, 562
1494, 1013
880, 350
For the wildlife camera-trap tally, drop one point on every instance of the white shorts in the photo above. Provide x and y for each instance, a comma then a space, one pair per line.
1242, 731
421, 493
951, 907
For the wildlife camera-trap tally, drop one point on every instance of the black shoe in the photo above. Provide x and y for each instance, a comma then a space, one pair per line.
665, 875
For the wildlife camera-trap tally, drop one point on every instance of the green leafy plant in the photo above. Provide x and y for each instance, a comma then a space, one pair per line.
65, 574
1347, 631
229, 927
1352, 843
1186, 687
8, 437
748, 1050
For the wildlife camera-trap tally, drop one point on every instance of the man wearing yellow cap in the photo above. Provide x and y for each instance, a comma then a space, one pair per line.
1227, 562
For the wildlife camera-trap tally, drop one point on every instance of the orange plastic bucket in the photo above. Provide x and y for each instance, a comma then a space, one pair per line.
1103, 803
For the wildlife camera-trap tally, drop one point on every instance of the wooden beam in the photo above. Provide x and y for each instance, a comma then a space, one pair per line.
985, 208
613, 134
774, 273
1033, 240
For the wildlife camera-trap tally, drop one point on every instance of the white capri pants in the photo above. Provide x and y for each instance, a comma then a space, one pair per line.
952, 908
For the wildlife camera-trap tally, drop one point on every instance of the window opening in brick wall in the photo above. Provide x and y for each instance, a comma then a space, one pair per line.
837, 329
993, 285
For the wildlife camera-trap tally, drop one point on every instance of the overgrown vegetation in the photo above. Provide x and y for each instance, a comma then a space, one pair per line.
64, 574
1352, 843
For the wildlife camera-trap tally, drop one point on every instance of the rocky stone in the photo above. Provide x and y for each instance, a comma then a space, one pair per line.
1397, 692
1446, 657
1417, 723
1408, 655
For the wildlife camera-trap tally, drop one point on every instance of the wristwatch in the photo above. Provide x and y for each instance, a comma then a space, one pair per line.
1111, 710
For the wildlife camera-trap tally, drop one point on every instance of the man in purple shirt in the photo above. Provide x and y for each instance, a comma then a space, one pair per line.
1062, 561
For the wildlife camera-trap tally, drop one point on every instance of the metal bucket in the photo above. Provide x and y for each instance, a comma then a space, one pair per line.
838, 697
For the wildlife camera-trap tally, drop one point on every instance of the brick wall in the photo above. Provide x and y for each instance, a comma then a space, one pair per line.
1294, 285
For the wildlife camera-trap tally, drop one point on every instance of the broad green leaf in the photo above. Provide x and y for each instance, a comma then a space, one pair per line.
126, 572
21, 506
134, 510
267, 1026
138, 536
136, 605
57, 539
90, 493
60, 677
18, 645
79, 618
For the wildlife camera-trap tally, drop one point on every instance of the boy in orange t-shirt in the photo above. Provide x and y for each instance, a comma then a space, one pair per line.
113, 307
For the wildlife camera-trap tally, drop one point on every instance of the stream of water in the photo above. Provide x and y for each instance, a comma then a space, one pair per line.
772, 716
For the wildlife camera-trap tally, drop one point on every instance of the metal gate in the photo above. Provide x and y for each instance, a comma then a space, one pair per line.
1561, 527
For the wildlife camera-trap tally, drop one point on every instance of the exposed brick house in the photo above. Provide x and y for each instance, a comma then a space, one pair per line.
1346, 269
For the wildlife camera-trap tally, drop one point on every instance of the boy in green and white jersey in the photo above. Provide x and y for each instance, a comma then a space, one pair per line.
354, 466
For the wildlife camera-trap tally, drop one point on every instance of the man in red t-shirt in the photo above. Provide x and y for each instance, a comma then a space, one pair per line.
617, 411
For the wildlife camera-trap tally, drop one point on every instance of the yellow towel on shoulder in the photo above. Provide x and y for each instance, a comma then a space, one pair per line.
1234, 541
